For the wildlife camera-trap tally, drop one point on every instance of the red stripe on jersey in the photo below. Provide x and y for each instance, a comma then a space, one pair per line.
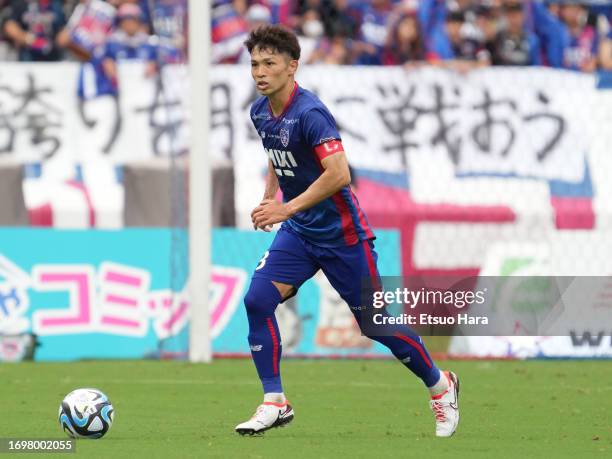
287, 104
348, 225
362, 220
328, 148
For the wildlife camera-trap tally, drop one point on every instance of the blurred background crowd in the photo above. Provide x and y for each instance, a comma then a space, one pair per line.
460, 34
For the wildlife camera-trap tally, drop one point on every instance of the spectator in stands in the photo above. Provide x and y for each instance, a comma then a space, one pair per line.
241, 6
144, 7
456, 47
553, 8
256, 16
311, 33
33, 26
431, 14
312, 25
514, 44
582, 40
334, 50
167, 20
551, 32
281, 11
129, 42
487, 21
343, 18
7, 52
405, 42
373, 33
229, 31
605, 52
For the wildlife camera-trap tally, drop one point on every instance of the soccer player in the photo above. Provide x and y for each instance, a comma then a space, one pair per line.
324, 228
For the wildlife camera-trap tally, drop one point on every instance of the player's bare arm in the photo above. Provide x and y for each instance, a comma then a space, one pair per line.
269, 194
271, 182
335, 176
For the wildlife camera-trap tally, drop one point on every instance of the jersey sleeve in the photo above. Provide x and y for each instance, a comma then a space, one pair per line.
320, 132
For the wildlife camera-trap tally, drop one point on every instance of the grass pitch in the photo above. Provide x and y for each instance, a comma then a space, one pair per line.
344, 409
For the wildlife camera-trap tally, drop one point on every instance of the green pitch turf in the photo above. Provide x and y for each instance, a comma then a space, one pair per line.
344, 409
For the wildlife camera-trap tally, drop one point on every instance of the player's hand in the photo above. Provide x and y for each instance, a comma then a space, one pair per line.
266, 228
268, 213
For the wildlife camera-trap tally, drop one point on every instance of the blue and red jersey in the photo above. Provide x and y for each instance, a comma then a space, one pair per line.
580, 48
296, 142
121, 46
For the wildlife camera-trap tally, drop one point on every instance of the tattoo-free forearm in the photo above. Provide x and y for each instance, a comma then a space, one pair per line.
328, 183
271, 183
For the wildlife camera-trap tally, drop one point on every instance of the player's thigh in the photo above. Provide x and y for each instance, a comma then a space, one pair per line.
286, 264
352, 271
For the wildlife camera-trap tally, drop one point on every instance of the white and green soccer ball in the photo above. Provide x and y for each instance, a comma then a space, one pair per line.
86, 413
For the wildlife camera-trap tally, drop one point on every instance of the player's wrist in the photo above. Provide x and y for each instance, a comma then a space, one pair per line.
290, 209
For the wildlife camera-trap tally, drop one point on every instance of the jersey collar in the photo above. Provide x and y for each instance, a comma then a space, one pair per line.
287, 105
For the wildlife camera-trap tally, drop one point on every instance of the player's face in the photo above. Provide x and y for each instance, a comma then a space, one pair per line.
271, 71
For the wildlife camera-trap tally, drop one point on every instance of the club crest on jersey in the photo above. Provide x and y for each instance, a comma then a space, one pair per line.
284, 137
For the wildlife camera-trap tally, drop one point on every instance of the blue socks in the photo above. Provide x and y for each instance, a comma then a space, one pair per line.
264, 338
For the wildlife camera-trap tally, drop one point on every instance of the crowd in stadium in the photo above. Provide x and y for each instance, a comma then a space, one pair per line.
461, 34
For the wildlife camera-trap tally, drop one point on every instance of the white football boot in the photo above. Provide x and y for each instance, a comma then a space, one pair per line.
446, 407
268, 416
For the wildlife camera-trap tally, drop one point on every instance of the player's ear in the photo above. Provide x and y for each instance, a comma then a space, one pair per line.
292, 67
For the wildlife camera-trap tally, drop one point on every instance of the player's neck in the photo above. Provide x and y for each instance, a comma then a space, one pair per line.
278, 100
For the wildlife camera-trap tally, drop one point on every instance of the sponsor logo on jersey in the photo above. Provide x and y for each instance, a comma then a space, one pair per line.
256, 347
283, 162
284, 137
261, 117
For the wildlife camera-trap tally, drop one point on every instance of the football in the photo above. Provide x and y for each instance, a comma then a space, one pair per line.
86, 413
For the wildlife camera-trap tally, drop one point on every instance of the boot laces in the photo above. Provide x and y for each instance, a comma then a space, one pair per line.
438, 409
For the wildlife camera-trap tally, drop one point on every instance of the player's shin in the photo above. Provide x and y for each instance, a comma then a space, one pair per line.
264, 338
406, 346
409, 349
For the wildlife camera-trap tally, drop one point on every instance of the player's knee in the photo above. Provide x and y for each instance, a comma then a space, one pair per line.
262, 297
285, 290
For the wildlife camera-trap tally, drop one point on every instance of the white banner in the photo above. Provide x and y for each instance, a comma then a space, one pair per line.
43, 120
526, 122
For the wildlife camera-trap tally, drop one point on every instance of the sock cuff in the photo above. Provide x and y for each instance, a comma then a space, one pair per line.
280, 405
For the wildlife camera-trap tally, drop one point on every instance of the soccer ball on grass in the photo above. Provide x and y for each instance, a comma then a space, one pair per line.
86, 413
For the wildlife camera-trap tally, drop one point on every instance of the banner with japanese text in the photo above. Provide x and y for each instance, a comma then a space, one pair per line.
530, 122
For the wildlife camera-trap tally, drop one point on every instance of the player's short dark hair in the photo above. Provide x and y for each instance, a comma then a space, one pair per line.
274, 38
